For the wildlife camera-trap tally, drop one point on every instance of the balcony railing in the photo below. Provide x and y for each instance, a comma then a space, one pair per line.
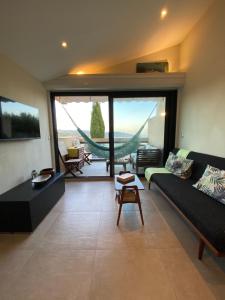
68, 140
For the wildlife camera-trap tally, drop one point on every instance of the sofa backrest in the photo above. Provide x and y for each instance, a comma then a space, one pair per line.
202, 160
175, 150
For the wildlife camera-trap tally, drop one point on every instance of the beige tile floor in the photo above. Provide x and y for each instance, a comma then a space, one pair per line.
78, 252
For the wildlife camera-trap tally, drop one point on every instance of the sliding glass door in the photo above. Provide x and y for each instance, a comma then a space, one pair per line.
113, 132
138, 133
83, 133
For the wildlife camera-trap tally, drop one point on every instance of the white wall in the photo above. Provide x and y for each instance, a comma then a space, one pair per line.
172, 55
156, 126
19, 158
202, 107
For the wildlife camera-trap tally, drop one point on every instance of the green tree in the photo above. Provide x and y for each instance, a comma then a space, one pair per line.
97, 129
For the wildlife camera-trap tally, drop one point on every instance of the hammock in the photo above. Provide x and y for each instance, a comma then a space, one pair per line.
119, 151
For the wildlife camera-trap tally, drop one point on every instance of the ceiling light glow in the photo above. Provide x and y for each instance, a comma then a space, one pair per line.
164, 13
64, 44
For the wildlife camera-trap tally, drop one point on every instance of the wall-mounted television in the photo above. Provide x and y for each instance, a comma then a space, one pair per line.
18, 120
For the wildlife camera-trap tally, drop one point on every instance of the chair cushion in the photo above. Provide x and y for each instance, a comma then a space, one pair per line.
73, 152
206, 214
73, 160
123, 160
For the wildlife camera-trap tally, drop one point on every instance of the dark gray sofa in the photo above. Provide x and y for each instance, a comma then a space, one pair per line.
203, 213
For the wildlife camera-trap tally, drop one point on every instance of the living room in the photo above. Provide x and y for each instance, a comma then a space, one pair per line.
74, 248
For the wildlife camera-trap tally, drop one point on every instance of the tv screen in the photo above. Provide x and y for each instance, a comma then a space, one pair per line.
18, 120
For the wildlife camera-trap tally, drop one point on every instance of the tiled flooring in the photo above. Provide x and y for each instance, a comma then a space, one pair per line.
78, 252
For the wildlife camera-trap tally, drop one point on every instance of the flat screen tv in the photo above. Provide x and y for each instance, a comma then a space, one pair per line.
18, 120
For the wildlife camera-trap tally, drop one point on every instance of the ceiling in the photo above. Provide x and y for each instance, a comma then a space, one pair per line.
99, 33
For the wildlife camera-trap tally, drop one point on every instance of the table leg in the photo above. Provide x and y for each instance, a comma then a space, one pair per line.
118, 219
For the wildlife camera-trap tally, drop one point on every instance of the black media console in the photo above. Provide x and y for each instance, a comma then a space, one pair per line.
23, 207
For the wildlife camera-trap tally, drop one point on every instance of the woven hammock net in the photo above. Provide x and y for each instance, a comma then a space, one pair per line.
119, 151
103, 151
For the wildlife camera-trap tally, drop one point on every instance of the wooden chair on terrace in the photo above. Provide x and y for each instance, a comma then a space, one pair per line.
147, 158
71, 165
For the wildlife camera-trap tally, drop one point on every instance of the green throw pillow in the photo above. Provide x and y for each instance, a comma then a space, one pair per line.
212, 183
179, 166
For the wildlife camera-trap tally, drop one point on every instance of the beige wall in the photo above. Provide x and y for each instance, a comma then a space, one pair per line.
170, 54
19, 158
202, 109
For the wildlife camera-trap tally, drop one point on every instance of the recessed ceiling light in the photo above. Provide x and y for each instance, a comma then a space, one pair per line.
164, 13
80, 72
64, 44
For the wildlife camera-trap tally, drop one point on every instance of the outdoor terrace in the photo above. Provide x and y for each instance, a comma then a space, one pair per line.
98, 165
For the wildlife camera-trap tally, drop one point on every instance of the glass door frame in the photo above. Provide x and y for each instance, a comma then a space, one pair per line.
170, 118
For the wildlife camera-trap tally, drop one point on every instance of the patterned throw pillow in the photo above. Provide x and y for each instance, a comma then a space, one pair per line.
212, 183
179, 166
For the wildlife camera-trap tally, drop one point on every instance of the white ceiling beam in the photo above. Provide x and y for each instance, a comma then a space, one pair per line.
106, 82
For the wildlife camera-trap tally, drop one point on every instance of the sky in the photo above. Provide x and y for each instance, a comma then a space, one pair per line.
129, 116
17, 108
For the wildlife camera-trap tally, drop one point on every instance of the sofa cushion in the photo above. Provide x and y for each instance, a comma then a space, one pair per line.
212, 183
179, 166
206, 214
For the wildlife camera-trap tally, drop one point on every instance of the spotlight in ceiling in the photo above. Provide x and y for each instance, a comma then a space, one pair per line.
64, 44
164, 13
80, 72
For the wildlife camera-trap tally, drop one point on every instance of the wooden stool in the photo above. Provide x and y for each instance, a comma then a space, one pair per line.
129, 194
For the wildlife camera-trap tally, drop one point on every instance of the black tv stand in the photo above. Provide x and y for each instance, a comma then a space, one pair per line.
24, 207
